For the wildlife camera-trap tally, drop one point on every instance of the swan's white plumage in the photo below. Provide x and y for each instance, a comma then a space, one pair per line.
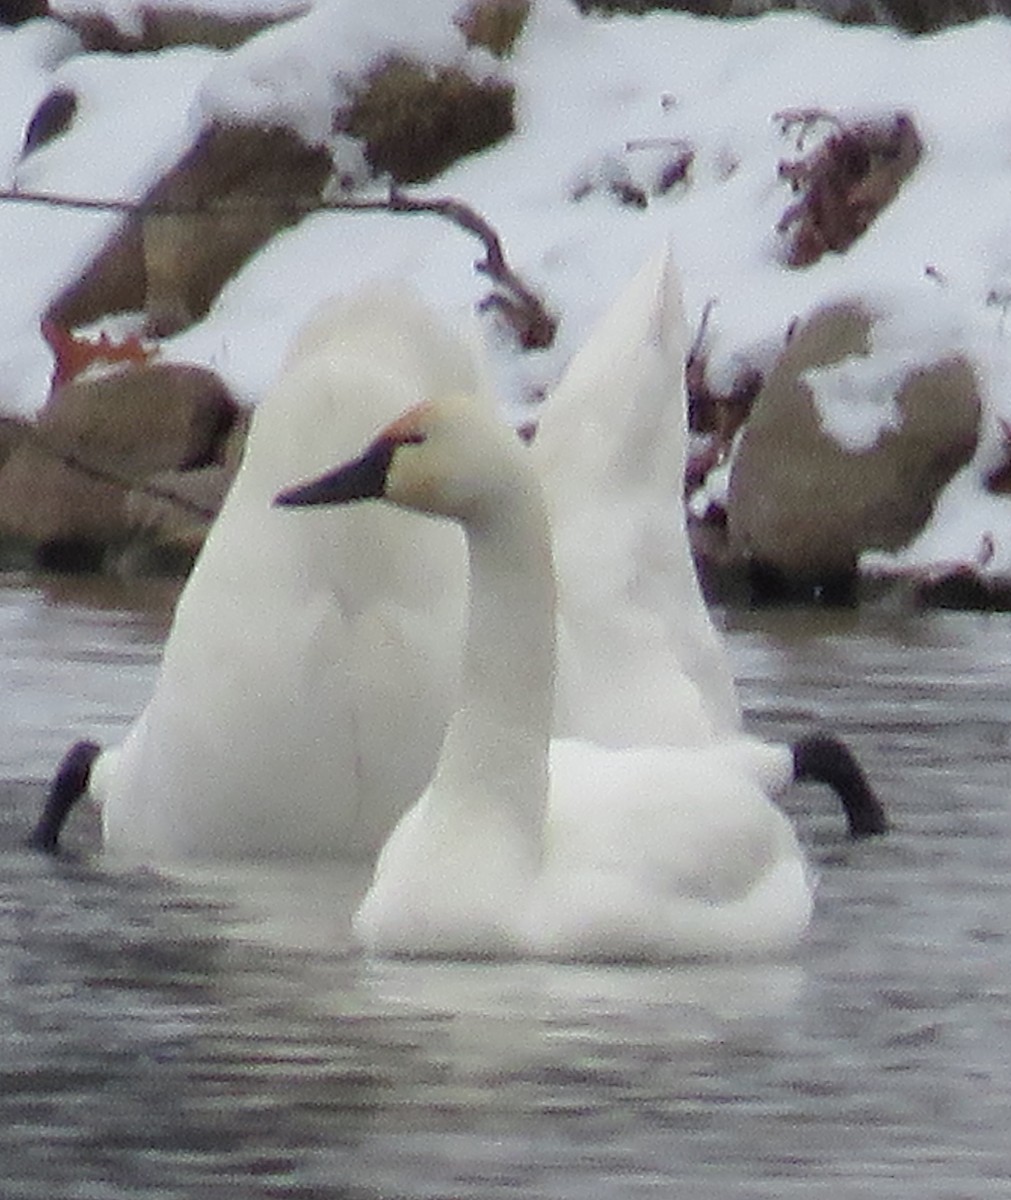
647, 854
302, 651
639, 660
524, 845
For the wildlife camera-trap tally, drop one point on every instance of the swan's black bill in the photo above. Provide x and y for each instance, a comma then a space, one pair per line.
363, 478
69, 784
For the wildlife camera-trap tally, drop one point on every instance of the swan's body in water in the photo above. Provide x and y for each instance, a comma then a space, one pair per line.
563, 848
298, 657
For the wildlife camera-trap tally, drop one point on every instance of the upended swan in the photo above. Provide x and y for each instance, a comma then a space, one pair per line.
640, 661
527, 845
297, 657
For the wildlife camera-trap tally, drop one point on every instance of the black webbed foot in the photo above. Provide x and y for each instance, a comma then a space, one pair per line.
824, 758
69, 784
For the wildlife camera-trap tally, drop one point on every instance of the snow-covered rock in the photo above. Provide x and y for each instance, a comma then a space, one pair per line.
846, 450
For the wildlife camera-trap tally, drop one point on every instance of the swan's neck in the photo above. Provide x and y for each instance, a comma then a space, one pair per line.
496, 747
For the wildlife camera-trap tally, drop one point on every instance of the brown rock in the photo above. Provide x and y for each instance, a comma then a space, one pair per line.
114, 281
235, 188
143, 419
171, 514
165, 24
173, 503
416, 121
66, 485
12, 433
494, 24
250, 183
15, 12
801, 505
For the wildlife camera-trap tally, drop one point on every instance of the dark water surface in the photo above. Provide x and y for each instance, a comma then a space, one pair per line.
211, 1035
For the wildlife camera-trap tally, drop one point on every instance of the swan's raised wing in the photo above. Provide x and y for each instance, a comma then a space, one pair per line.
639, 659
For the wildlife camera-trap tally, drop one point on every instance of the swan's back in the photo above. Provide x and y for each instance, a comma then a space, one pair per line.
639, 660
660, 853
649, 854
312, 662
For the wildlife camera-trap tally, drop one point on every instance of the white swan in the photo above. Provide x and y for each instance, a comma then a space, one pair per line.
640, 662
298, 657
295, 661
526, 846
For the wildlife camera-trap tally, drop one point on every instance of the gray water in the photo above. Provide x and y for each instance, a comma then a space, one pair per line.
211, 1035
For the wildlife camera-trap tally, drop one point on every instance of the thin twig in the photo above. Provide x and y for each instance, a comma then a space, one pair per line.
106, 475
534, 326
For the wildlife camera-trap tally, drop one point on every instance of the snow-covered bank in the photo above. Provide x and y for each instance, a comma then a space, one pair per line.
598, 99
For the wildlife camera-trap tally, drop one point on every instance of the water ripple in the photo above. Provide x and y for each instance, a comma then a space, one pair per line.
192, 1038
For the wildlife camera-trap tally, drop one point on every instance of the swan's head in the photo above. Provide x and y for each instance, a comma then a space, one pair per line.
448, 457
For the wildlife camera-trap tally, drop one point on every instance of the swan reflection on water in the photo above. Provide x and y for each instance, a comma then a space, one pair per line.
310, 907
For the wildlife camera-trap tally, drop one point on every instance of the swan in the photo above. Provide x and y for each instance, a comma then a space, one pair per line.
296, 658
525, 845
640, 661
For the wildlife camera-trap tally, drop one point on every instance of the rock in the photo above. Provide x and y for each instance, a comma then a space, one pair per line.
235, 188
966, 590
415, 120
143, 419
158, 25
114, 281
53, 116
239, 185
15, 12
494, 24
64, 489
171, 514
265, 178
12, 433
801, 506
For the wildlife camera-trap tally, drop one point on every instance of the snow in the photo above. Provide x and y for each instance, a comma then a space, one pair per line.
855, 399
597, 99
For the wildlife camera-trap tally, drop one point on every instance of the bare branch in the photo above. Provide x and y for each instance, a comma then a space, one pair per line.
524, 311
115, 479
159, 208
533, 325
124, 206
